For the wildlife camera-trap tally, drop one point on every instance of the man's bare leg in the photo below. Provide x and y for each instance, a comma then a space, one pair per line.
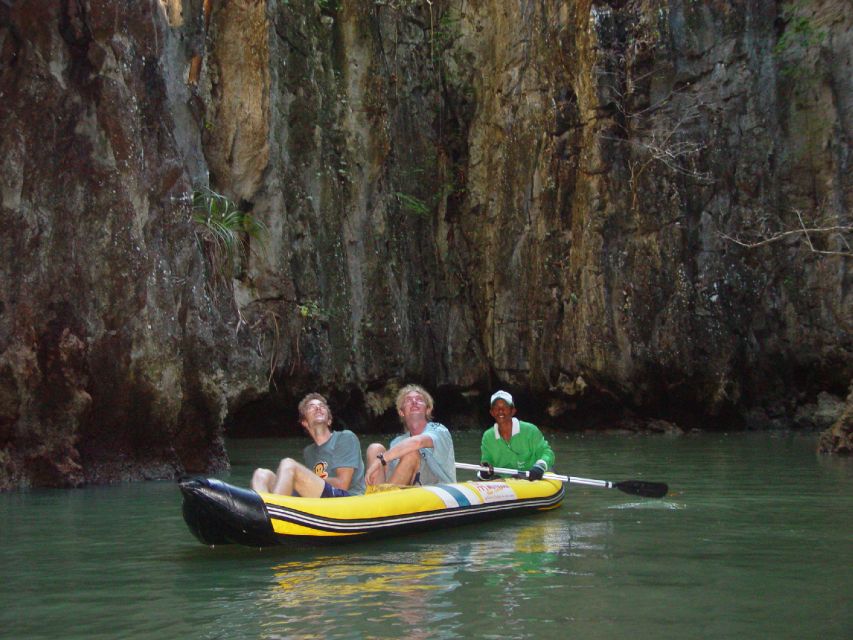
263, 481
292, 475
307, 483
407, 468
370, 457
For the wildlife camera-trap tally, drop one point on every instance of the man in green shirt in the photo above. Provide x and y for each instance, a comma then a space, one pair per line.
513, 444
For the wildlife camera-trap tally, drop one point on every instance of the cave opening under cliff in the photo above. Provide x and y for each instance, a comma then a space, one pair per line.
371, 411
275, 414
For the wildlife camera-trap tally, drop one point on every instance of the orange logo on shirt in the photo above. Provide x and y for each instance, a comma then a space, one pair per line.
320, 469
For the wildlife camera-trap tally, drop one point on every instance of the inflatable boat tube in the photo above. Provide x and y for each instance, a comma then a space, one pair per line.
219, 513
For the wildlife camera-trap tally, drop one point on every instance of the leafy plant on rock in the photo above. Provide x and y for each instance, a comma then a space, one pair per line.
412, 204
224, 231
800, 32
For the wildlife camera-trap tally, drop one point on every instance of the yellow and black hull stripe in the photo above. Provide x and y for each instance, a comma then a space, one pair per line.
219, 513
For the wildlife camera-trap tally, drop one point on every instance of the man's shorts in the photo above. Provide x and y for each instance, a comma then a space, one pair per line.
333, 492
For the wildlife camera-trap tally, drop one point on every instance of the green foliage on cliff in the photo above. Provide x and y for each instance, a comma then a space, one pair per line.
311, 310
800, 30
223, 229
800, 36
328, 7
412, 204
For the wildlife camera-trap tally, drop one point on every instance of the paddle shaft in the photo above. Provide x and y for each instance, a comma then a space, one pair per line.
634, 487
604, 484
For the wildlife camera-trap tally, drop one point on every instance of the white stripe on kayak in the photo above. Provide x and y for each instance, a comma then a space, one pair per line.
446, 497
455, 495
472, 496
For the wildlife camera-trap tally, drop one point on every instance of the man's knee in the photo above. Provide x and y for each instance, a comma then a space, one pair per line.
262, 479
374, 449
407, 468
413, 458
287, 464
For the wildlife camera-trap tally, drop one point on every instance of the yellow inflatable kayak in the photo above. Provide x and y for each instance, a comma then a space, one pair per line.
219, 513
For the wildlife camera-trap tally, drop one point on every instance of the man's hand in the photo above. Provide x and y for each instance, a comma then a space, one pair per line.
486, 474
535, 472
374, 473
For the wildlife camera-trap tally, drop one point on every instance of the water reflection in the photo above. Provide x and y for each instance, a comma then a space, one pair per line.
399, 590
303, 583
426, 590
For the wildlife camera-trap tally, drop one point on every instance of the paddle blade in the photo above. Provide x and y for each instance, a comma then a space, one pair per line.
642, 488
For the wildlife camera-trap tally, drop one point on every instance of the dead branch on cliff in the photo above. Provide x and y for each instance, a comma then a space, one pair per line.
804, 231
664, 147
658, 132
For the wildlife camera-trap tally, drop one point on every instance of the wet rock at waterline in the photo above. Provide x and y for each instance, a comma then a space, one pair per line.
839, 437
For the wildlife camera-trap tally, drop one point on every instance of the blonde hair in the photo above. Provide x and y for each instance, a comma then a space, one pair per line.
304, 403
409, 388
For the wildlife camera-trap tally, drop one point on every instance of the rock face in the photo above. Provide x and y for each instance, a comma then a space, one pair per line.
112, 354
839, 437
651, 131
600, 205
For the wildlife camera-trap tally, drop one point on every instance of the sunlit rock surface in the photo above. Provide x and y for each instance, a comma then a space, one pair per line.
551, 197
839, 437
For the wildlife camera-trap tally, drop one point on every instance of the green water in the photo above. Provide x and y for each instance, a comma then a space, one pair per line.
755, 541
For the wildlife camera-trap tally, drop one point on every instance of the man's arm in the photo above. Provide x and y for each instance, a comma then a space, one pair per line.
408, 445
342, 478
347, 457
540, 448
486, 445
486, 456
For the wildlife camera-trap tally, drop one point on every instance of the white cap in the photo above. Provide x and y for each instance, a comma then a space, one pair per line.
501, 395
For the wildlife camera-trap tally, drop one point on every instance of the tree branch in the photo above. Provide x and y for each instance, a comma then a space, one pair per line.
803, 230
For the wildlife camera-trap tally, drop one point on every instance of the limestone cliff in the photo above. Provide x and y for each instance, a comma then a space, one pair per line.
114, 358
601, 205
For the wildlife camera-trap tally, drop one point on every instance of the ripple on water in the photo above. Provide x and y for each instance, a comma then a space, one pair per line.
650, 505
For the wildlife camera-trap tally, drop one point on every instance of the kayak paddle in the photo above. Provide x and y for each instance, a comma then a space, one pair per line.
634, 487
